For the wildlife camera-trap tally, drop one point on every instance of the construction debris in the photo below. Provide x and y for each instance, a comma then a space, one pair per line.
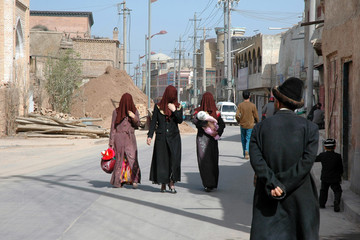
59, 125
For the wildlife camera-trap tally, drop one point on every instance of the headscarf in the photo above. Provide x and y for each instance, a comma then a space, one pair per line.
169, 96
126, 104
208, 105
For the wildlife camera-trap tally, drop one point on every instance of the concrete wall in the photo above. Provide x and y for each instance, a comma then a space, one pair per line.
339, 48
291, 55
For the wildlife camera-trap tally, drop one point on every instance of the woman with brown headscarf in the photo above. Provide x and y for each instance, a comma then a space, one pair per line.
166, 160
125, 119
207, 146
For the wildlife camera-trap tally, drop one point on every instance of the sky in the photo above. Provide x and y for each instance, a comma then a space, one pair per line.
173, 16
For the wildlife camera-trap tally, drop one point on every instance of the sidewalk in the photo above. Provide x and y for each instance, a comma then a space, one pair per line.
350, 201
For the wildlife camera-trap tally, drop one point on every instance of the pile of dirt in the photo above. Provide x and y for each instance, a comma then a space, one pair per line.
100, 96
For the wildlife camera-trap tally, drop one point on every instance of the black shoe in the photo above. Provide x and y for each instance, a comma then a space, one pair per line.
336, 208
322, 206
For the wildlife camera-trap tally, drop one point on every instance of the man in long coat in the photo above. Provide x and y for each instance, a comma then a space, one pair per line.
283, 149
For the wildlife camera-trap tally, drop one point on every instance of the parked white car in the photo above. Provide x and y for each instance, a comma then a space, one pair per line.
228, 112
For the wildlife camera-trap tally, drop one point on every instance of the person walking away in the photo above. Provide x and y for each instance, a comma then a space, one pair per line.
125, 119
331, 172
319, 116
247, 117
166, 159
283, 149
269, 109
310, 116
207, 149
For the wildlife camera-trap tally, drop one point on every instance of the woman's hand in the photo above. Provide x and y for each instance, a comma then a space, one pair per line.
148, 141
131, 114
172, 107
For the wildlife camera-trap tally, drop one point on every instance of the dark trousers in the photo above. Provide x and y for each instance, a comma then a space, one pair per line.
336, 187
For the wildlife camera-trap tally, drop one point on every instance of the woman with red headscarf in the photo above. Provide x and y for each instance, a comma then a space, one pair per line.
166, 160
125, 119
206, 145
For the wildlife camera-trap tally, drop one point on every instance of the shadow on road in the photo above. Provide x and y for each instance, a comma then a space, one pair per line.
235, 193
227, 223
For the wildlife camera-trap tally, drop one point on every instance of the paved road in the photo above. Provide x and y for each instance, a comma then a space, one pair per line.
60, 192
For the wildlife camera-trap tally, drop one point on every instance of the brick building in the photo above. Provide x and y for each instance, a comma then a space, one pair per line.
53, 31
15, 96
341, 57
74, 24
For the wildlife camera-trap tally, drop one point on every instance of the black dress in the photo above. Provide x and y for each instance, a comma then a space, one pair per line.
166, 160
208, 152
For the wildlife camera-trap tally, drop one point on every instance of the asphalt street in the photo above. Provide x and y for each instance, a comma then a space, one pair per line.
58, 191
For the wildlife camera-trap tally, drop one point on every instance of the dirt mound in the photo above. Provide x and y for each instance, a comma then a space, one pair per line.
100, 96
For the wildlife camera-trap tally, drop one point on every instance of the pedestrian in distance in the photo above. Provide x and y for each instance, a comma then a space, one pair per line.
331, 172
166, 159
125, 119
247, 117
283, 149
319, 116
207, 149
269, 109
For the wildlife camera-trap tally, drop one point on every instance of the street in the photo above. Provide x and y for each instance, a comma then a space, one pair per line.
60, 192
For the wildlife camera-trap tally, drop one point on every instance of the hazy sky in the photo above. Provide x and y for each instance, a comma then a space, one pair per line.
174, 17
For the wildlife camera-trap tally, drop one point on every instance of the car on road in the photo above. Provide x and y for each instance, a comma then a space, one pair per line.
228, 112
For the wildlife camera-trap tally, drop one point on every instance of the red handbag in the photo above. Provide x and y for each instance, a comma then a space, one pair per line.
107, 162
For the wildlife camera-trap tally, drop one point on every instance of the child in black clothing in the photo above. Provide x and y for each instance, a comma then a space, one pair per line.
332, 170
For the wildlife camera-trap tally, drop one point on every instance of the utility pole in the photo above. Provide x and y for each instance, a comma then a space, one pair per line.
204, 60
227, 45
124, 11
194, 61
179, 71
310, 70
174, 75
229, 62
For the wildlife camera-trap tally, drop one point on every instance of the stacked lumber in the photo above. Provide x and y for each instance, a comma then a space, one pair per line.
37, 125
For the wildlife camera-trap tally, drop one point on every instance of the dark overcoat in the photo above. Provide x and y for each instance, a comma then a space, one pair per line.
283, 149
166, 160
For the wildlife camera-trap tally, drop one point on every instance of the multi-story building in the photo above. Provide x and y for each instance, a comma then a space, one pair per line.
54, 31
206, 64
15, 91
236, 35
255, 67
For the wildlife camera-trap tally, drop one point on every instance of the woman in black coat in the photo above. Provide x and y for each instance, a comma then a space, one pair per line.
166, 160
206, 145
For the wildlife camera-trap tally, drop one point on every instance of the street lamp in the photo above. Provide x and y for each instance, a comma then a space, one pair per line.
148, 61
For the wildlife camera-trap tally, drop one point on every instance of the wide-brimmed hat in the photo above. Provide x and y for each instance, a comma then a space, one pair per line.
290, 92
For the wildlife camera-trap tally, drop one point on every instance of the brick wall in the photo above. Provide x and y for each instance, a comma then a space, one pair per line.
97, 55
75, 26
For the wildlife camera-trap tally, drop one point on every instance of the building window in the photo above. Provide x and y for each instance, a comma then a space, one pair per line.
19, 41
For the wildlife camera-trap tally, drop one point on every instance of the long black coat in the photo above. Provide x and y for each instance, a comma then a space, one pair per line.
207, 151
166, 160
283, 149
